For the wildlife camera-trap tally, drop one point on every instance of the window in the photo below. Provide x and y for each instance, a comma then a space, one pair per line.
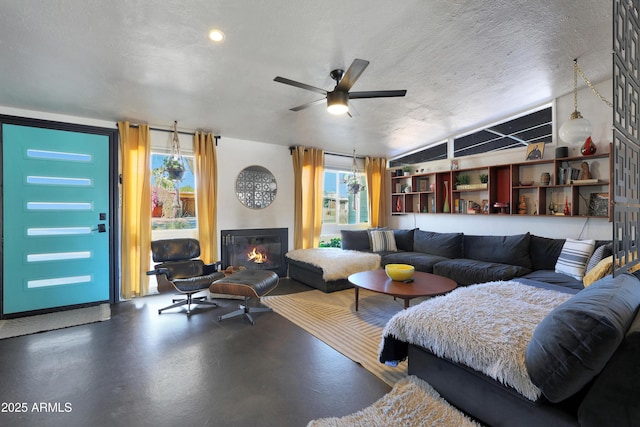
515, 132
173, 204
434, 152
340, 207
518, 132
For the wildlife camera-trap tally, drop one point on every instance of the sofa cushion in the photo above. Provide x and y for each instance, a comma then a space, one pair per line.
544, 252
574, 342
404, 239
420, 261
512, 250
382, 240
574, 257
448, 245
355, 240
551, 277
471, 271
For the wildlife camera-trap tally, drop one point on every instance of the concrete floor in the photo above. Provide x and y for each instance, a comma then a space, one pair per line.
145, 369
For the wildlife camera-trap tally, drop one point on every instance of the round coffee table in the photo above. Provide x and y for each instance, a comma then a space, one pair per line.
423, 285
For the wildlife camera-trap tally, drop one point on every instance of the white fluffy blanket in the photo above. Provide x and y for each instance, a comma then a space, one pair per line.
486, 327
336, 263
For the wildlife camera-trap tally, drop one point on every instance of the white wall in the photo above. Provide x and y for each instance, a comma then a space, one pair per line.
235, 155
601, 118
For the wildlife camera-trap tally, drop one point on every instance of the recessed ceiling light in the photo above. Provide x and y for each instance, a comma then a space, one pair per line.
216, 36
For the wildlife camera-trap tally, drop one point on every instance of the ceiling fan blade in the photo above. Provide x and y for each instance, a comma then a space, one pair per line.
377, 94
308, 104
300, 85
355, 69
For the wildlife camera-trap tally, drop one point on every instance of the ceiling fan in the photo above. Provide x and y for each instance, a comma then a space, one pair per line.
338, 98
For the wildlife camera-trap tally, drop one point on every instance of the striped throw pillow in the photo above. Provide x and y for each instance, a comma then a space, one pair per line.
383, 241
574, 257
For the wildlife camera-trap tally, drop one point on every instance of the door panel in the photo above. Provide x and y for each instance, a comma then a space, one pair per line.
56, 218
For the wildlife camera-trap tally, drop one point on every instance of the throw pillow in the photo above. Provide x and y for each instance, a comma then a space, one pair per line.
355, 240
382, 241
601, 269
601, 252
574, 257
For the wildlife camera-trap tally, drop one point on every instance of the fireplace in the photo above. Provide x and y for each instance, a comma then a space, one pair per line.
258, 249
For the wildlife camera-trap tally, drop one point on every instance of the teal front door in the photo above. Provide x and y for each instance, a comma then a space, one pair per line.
55, 218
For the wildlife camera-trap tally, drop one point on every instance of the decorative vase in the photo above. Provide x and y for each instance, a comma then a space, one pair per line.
433, 187
398, 205
588, 148
446, 208
545, 178
522, 206
567, 211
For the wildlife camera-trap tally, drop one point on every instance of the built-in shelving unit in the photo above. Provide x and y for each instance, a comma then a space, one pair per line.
500, 189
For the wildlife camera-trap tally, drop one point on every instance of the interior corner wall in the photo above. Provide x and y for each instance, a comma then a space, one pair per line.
592, 108
235, 155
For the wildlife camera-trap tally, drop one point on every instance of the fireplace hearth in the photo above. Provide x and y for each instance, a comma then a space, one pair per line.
258, 249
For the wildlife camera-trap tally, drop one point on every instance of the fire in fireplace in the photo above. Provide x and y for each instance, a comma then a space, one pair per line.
261, 249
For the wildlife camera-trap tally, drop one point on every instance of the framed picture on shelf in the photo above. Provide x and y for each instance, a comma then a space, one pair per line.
598, 204
423, 185
535, 151
455, 165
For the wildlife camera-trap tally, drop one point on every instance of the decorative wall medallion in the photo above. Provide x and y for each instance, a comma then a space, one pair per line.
256, 187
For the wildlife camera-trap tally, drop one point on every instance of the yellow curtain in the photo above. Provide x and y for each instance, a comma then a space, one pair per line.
376, 171
136, 209
206, 174
308, 173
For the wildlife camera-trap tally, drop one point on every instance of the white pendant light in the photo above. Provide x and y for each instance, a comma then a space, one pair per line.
577, 129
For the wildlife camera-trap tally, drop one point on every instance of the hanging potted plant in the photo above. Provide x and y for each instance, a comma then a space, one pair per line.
174, 168
174, 164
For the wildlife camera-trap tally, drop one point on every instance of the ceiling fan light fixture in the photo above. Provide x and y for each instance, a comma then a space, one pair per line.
337, 102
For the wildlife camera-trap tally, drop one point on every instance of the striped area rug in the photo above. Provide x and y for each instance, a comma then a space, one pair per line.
332, 319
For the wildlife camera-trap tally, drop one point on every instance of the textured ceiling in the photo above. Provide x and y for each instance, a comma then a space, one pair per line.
464, 63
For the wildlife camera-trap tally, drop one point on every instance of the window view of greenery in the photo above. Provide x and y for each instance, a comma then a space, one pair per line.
172, 200
338, 205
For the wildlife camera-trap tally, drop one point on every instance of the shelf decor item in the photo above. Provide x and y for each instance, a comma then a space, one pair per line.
446, 208
522, 206
598, 204
398, 204
535, 151
545, 178
588, 148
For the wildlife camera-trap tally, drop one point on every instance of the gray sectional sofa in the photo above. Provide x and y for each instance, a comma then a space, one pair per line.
584, 356
470, 259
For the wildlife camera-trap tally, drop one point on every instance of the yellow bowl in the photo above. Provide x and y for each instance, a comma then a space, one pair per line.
399, 272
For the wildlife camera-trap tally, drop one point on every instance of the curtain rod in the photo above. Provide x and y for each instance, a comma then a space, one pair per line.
333, 154
181, 132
